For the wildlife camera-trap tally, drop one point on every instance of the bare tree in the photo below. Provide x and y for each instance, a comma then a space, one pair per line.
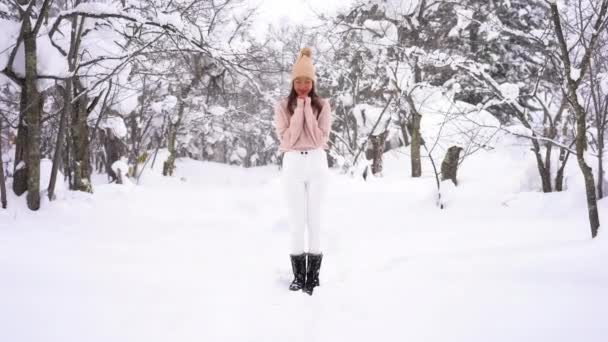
27, 156
2, 178
573, 74
596, 92
449, 166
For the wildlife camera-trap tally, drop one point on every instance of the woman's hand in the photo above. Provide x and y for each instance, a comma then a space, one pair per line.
306, 99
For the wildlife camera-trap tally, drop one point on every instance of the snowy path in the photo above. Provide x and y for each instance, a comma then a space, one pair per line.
206, 260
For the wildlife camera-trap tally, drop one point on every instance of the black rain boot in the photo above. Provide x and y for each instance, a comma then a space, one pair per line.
298, 265
312, 272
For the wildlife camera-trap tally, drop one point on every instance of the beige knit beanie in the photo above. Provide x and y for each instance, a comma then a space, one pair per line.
303, 66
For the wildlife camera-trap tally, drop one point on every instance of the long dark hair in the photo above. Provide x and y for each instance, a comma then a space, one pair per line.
315, 100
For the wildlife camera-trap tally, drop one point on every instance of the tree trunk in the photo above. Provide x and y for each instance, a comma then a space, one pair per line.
114, 151
579, 111
32, 116
119, 176
449, 166
169, 165
67, 158
331, 161
404, 130
559, 178
20, 166
581, 145
355, 131
68, 110
79, 139
416, 118
545, 170
600, 173
377, 151
65, 115
20, 160
135, 137
80, 143
416, 144
2, 178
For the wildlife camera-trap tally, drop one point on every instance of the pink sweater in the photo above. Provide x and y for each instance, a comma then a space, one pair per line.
302, 131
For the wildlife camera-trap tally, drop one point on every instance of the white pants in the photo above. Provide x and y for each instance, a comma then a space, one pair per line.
304, 177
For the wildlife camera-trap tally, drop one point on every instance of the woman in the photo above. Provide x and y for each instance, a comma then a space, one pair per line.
302, 123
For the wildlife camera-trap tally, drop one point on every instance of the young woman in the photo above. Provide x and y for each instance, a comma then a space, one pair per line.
302, 123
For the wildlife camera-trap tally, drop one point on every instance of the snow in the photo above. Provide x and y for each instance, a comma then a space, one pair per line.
97, 7
464, 18
294, 12
268, 140
171, 19
241, 152
117, 125
401, 74
382, 28
447, 123
491, 30
7, 40
127, 99
167, 104
367, 116
46, 166
346, 99
122, 167
217, 110
49, 61
603, 81
203, 255
575, 73
539, 34
193, 257
396, 8
518, 129
106, 50
509, 91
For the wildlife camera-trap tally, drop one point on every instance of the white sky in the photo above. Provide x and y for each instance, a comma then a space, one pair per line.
295, 11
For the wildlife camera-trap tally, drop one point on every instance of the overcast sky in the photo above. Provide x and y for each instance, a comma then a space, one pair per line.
295, 11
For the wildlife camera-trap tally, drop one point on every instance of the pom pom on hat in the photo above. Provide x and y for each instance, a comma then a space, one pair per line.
303, 66
306, 52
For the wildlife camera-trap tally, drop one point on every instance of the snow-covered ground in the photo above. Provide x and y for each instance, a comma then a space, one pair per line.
203, 256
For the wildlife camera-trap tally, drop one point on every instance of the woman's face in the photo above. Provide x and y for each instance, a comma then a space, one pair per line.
303, 86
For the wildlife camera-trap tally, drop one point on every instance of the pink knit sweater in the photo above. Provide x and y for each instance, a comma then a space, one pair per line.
302, 131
